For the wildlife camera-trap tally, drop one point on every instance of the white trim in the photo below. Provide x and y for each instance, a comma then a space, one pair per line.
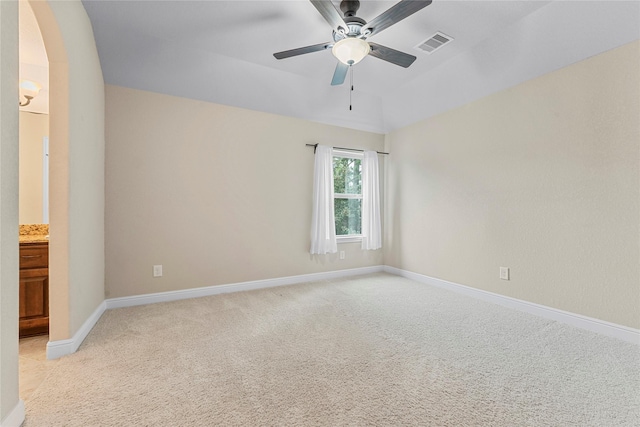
236, 287
349, 238
56, 349
349, 196
15, 417
349, 154
621, 332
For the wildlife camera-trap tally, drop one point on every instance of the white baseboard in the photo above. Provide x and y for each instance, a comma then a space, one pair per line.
236, 287
15, 417
56, 349
595, 325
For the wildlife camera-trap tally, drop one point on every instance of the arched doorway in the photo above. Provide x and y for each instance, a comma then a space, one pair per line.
76, 184
76, 160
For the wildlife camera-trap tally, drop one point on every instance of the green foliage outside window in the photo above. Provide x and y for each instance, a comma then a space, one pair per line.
347, 182
347, 212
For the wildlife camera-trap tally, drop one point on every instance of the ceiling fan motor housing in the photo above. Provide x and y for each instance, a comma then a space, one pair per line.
355, 25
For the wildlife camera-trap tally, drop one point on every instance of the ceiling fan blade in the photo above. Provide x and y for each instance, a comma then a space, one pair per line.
395, 14
330, 14
302, 50
340, 74
391, 55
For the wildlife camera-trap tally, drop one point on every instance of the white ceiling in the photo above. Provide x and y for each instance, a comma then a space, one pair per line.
222, 52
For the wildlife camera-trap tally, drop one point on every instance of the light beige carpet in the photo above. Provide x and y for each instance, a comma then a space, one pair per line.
369, 351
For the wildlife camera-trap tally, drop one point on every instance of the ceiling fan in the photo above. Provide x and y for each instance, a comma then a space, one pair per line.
349, 43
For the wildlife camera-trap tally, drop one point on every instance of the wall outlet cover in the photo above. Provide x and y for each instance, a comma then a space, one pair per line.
504, 273
157, 271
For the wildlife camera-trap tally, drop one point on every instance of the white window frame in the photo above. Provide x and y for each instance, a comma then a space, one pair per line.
348, 238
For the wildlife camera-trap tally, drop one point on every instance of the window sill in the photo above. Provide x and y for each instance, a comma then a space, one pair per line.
349, 239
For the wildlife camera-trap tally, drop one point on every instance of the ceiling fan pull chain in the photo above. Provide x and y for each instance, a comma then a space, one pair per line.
351, 84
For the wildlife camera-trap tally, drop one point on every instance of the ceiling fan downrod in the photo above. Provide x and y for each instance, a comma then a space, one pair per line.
349, 7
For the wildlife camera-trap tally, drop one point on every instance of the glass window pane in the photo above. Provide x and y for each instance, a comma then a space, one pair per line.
347, 212
347, 175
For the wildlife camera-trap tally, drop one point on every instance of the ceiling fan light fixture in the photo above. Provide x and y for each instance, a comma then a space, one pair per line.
350, 50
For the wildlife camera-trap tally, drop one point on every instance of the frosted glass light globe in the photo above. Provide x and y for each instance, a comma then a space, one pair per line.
351, 50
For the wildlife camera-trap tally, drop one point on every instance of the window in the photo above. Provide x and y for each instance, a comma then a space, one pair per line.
347, 188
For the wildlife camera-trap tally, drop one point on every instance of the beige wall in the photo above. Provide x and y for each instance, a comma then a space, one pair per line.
33, 128
215, 194
86, 163
542, 178
8, 208
76, 165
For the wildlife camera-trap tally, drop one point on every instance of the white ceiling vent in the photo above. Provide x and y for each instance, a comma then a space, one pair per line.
434, 42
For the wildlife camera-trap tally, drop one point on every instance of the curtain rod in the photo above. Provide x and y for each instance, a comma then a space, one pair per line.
342, 148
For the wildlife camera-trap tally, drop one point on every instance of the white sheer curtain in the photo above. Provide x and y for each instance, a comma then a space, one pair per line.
323, 227
371, 230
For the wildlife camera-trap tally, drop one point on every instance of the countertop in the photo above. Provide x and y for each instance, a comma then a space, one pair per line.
34, 233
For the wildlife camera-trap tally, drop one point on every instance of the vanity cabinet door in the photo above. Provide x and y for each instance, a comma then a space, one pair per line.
34, 291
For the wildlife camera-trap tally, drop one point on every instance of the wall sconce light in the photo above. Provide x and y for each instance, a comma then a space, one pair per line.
28, 91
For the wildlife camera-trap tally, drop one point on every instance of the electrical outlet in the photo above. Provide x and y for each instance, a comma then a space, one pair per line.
342, 255
504, 273
157, 271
